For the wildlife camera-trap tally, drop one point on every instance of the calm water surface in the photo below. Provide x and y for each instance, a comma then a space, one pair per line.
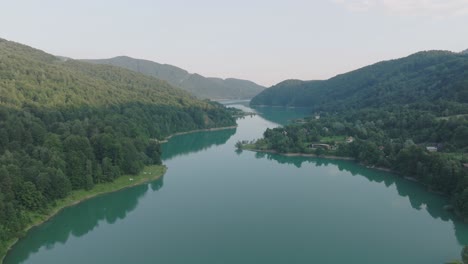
216, 206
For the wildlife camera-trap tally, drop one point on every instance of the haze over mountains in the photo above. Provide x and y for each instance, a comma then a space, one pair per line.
198, 85
427, 80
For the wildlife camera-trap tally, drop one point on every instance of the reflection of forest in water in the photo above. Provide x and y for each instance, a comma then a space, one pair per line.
279, 115
195, 142
282, 115
82, 218
419, 197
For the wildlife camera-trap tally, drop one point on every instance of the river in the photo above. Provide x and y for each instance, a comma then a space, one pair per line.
216, 205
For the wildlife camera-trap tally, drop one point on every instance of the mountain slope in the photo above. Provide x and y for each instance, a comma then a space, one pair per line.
423, 80
200, 86
32, 76
409, 115
67, 125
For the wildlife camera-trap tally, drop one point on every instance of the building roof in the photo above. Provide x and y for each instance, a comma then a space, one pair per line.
431, 148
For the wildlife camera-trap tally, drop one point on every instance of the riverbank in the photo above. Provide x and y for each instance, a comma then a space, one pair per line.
194, 131
396, 173
294, 154
149, 173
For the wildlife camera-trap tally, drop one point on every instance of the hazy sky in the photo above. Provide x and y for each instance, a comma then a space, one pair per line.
266, 41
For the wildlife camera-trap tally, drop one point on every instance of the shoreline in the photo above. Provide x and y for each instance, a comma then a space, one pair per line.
55, 210
282, 106
395, 173
166, 139
83, 195
293, 154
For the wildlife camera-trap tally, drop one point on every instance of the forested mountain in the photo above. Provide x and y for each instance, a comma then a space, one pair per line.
202, 87
409, 115
67, 125
432, 80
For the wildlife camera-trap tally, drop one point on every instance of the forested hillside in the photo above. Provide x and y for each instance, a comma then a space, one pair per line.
409, 115
67, 125
435, 81
200, 86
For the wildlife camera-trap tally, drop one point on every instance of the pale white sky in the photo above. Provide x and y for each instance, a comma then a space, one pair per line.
265, 41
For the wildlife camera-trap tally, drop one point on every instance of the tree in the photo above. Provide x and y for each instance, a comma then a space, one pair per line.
131, 162
238, 145
464, 255
89, 175
153, 151
29, 196
60, 184
319, 151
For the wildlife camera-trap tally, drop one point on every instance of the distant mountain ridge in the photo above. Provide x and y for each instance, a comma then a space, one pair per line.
198, 85
426, 80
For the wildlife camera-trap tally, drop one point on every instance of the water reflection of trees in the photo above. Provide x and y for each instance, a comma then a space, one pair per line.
278, 115
419, 197
195, 142
282, 115
80, 220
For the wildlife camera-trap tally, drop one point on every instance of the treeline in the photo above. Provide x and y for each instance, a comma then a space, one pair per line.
393, 110
33, 77
46, 153
68, 125
393, 138
433, 81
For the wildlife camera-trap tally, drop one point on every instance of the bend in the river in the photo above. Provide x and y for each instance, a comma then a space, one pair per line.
221, 206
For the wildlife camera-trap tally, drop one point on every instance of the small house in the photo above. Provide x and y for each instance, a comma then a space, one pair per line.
349, 139
431, 149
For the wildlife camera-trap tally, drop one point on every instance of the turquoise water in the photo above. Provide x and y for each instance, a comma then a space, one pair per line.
216, 205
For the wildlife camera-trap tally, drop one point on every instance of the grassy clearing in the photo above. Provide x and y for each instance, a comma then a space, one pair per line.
248, 146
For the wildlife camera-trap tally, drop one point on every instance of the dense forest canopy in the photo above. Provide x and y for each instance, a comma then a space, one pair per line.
435, 81
409, 115
198, 85
67, 125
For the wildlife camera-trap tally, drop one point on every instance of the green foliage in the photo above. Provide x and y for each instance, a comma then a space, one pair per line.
238, 145
434, 81
67, 126
196, 84
391, 139
32, 77
393, 110
464, 255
